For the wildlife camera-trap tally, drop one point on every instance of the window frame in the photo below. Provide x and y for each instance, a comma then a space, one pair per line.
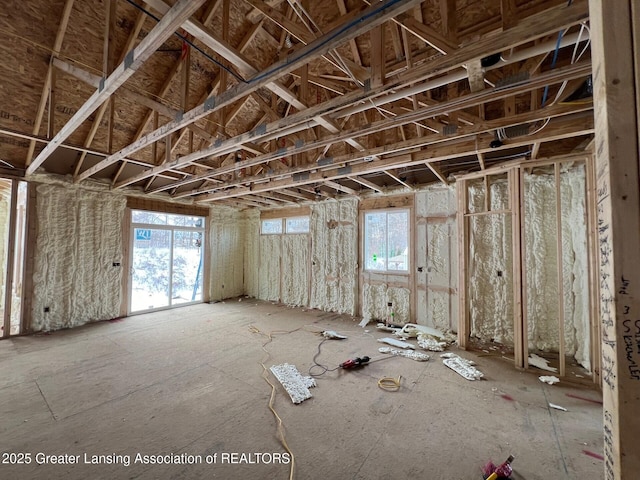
283, 225
272, 220
387, 211
286, 229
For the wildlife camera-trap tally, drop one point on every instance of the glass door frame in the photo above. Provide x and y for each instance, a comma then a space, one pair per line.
16, 257
172, 229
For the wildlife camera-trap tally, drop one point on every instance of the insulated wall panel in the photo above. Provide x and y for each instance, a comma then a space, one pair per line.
79, 238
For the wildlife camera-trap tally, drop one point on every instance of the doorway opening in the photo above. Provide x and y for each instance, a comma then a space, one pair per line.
13, 209
167, 260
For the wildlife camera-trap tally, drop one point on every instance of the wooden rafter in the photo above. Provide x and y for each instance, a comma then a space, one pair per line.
408, 145
182, 9
562, 128
44, 97
469, 100
375, 15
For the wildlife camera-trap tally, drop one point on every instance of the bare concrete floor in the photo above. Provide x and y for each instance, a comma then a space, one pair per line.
189, 381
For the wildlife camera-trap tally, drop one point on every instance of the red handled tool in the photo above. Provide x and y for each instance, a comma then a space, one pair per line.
355, 363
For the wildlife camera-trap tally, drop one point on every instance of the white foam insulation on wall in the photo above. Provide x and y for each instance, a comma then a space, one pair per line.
78, 239
375, 300
269, 268
490, 264
227, 245
252, 253
334, 255
436, 259
575, 264
490, 273
295, 270
541, 261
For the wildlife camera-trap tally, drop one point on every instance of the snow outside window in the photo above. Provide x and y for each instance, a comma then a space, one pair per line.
271, 226
297, 225
386, 241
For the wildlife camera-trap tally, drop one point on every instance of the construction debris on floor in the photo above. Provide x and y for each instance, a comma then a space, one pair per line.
462, 366
417, 356
296, 385
550, 379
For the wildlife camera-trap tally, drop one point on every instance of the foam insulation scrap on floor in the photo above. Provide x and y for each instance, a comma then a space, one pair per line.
462, 366
296, 385
428, 338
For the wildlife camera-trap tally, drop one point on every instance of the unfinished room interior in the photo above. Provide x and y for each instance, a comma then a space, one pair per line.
320, 239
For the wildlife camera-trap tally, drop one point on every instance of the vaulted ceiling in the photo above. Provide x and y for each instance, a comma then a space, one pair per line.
258, 103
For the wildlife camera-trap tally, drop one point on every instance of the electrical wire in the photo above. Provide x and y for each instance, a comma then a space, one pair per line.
390, 384
265, 376
324, 368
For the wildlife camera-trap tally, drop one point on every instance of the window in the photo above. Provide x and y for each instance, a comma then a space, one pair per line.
297, 225
274, 226
271, 226
386, 241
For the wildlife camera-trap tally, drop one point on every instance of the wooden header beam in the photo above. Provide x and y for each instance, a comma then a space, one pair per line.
182, 10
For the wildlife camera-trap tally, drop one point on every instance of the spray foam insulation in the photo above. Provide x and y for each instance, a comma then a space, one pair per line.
541, 259
269, 270
252, 253
435, 247
490, 264
226, 243
295, 270
334, 256
77, 242
375, 300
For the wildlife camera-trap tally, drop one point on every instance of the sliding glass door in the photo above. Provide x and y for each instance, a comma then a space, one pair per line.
167, 254
13, 207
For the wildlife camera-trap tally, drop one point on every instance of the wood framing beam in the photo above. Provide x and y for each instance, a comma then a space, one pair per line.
419, 142
134, 60
44, 97
352, 43
222, 48
340, 188
615, 37
375, 15
393, 173
427, 34
437, 172
449, 21
366, 183
508, 10
444, 107
581, 124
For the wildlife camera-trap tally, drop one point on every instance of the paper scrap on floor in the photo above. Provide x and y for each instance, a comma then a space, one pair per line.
417, 356
550, 379
412, 330
557, 407
395, 343
462, 367
296, 385
333, 334
541, 363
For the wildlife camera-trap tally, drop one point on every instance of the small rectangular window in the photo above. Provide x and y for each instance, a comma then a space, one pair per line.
386, 241
297, 225
271, 226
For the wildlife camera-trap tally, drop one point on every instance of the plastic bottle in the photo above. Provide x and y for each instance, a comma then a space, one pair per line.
503, 471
